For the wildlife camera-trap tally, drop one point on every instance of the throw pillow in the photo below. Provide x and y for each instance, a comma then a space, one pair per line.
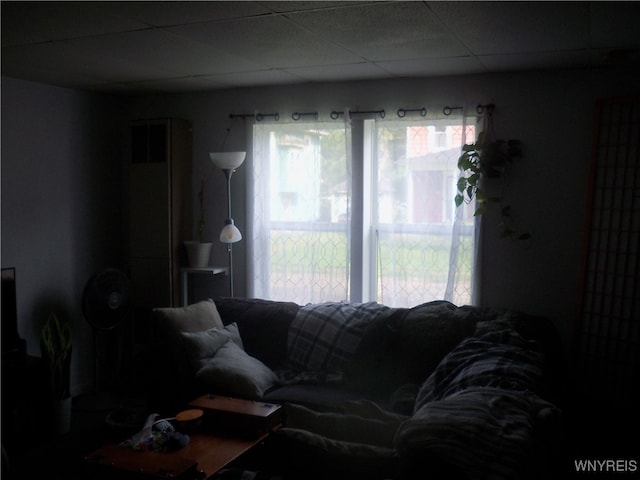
192, 318
200, 346
423, 336
231, 371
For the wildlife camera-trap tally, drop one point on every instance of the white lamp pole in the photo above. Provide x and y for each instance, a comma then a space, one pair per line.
228, 162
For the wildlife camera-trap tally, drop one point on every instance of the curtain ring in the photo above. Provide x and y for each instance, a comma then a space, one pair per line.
401, 112
334, 115
446, 110
295, 116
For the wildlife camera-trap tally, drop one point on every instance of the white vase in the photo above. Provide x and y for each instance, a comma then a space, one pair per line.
198, 253
61, 415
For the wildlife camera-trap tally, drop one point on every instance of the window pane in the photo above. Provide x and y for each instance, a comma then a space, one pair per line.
424, 244
301, 211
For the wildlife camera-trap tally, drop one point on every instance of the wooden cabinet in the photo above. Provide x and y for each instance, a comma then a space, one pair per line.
160, 205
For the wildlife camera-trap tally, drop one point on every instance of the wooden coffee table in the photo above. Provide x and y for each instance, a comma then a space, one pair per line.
206, 453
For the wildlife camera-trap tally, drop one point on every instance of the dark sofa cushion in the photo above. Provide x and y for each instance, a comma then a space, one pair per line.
403, 346
374, 427
307, 455
263, 325
315, 396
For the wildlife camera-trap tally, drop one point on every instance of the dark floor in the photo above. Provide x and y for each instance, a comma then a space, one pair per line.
37, 452
40, 454
34, 453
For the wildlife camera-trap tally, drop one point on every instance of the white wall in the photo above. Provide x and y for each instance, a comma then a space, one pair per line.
552, 113
62, 211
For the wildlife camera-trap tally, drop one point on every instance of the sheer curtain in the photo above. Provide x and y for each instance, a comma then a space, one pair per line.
424, 247
299, 210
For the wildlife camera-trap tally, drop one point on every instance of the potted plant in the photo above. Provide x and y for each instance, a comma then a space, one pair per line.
482, 164
56, 347
199, 251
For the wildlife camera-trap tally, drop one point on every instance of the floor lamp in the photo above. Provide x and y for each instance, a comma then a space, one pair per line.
228, 162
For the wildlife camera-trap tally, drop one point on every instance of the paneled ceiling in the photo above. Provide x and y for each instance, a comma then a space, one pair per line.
181, 46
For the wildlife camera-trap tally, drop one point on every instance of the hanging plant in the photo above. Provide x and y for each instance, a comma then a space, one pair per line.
484, 168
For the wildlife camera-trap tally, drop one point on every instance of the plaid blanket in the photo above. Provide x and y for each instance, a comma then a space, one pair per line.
488, 433
478, 409
324, 336
500, 359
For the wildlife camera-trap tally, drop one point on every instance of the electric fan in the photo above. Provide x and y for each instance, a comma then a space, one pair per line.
105, 300
105, 305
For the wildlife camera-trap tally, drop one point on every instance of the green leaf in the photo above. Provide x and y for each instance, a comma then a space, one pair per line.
459, 200
474, 179
479, 211
470, 191
464, 163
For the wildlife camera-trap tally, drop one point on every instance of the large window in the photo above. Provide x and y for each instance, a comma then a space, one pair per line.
360, 210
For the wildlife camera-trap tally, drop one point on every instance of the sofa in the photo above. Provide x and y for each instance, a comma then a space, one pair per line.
370, 391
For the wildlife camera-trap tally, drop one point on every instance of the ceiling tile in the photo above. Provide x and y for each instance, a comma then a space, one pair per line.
383, 31
292, 6
536, 61
510, 27
261, 78
331, 73
273, 41
154, 47
433, 66
48, 57
133, 46
625, 32
174, 85
184, 12
29, 22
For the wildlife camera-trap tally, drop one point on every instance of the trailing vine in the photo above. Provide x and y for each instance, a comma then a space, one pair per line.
481, 164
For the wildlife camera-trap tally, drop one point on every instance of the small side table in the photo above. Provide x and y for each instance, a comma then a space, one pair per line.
184, 272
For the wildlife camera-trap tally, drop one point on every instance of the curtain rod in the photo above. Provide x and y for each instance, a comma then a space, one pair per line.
403, 111
258, 116
335, 114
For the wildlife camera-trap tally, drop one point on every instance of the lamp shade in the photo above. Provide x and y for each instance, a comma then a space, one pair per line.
230, 233
227, 160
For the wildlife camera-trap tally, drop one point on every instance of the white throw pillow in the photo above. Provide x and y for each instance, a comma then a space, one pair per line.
235, 373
